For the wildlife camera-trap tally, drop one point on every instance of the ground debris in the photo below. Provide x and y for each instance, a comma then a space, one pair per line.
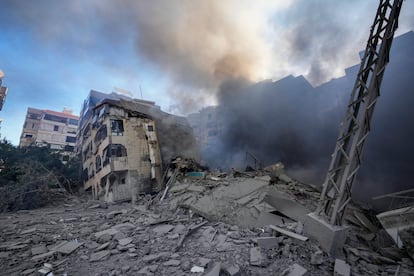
214, 230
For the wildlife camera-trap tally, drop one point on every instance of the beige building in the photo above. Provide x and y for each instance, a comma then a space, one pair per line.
47, 127
125, 144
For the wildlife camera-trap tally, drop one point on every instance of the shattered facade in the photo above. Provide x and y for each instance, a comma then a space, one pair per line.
47, 127
124, 144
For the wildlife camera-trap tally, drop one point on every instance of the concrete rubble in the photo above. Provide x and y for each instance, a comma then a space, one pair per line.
214, 225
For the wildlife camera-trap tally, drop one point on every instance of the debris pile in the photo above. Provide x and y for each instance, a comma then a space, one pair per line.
213, 225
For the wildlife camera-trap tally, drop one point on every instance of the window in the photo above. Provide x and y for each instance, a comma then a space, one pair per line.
101, 134
34, 116
33, 125
70, 139
117, 127
55, 118
55, 128
69, 148
113, 150
98, 163
28, 135
73, 122
150, 128
87, 131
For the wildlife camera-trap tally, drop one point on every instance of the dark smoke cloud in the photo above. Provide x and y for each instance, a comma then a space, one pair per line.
292, 122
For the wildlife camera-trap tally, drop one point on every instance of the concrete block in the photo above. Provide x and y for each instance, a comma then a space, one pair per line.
69, 247
99, 255
341, 268
296, 270
40, 249
214, 270
268, 242
256, 257
330, 237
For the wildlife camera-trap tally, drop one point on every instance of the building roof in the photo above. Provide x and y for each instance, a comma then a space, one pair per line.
61, 114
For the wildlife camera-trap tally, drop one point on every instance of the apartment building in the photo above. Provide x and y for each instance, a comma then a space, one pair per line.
3, 91
125, 143
50, 128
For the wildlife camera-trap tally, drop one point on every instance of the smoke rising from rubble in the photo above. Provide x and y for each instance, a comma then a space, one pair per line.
292, 122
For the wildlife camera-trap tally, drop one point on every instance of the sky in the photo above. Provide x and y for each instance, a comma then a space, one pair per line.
174, 52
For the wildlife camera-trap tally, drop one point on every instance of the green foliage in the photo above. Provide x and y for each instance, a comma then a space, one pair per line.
27, 174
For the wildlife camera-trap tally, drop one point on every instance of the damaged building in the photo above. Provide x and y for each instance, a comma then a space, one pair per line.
125, 144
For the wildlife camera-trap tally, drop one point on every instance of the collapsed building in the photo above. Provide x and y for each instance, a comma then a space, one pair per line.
125, 144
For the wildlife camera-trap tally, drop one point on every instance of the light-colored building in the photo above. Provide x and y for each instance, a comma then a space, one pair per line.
50, 128
125, 143
3, 94
3, 90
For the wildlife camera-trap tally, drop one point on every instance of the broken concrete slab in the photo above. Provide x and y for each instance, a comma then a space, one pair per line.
124, 227
203, 262
49, 256
256, 257
341, 268
196, 188
296, 270
163, 229
267, 242
40, 249
155, 257
124, 242
231, 270
110, 231
214, 270
100, 255
317, 258
286, 205
171, 263
197, 269
28, 231
112, 214
103, 246
69, 247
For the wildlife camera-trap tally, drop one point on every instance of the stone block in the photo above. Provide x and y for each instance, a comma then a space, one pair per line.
330, 237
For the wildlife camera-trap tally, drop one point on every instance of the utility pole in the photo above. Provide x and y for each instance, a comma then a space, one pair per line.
354, 130
325, 224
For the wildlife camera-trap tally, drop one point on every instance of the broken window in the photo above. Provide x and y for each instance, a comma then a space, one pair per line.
85, 174
150, 128
113, 150
87, 131
117, 127
55, 118
101, 134
69, 148
91, 170
87, 152
73, 122
55, 128
98, 163
70, 139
